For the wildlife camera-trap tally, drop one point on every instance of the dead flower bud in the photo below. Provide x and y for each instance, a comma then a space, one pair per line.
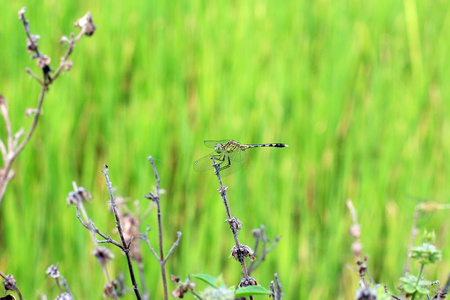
86, 24
67, 65
365, 293
109, 291
22, 13
64, 296
9, 283
32, 43
357, 248
248, 282
355, 231
43, 61
103, 255
235, 224
30, 111
256, 232
81, 194
53, 272
183, 288
243, 251
119, 285
174, 278
64, 39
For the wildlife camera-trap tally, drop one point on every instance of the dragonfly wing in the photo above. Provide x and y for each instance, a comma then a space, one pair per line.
205, 163
227, 169
238, 156
213, 143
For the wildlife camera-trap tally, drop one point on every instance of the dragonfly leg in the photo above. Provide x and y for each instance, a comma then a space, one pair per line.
226, 166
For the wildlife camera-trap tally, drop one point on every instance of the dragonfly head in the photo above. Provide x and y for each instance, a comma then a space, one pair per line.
218, 148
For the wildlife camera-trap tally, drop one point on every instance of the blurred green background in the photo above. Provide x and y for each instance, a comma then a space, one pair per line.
358, 89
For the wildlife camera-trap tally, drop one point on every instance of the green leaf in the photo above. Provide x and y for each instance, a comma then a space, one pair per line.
409, 288
423, 290
208, 279
251, 290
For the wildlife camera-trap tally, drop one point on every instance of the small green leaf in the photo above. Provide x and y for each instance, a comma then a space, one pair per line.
208, 279
251, 290
423, 290
409, 288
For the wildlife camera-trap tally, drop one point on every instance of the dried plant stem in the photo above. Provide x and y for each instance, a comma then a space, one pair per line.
13, 147
162, 260
125, 245
260, 235
223, 194
14, 151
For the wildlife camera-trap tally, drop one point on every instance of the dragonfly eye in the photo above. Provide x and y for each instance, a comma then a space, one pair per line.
218, 148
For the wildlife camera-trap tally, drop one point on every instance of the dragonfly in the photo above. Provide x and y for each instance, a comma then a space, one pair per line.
229, 154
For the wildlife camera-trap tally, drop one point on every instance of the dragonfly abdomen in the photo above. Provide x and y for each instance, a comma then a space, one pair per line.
279, 145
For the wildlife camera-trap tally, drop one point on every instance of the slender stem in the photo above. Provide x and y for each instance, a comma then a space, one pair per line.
419, 277
162, 261
14, 152
223, 193
126, 247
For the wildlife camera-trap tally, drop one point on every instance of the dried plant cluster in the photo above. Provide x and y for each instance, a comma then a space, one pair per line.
16, 141
128, 223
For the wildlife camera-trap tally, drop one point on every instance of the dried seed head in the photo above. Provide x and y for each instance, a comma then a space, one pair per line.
247, 282
30, 111
32, 43
53, 271
235, 224
77, 196
109, 291
365, 293
256, 232
64, 39
67, 65
9, 283
182, 288
86, 24
355, 231
103, 255
64, 296
22, 13
242, 251
43, 61
357, 248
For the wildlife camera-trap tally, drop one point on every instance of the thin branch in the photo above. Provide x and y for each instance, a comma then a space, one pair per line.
235, 224
126, 248
31, 73
175, 244
156, 198
91, 227
144, 237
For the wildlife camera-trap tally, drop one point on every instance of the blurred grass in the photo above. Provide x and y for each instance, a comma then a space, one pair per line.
357, 89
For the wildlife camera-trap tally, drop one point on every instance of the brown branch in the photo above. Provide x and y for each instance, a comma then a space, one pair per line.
235, 224
126, 247
156, 197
